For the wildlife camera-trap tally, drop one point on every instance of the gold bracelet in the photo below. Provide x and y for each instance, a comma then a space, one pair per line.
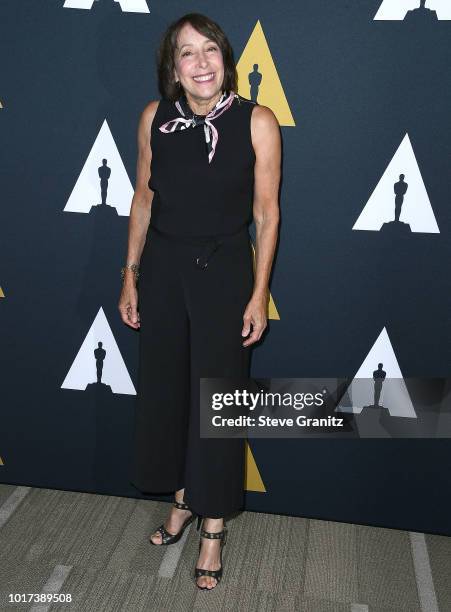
135, 269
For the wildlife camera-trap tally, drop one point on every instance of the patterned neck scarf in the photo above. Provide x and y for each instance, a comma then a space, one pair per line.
189, 119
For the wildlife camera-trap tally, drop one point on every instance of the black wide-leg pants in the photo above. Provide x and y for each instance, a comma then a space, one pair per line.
191, 320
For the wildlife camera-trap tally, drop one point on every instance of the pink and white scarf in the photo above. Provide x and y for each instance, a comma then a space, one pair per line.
189, 119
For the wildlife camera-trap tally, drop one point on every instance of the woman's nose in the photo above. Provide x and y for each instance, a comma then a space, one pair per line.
202, 60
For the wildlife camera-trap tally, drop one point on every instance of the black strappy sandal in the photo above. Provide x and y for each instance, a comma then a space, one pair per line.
198, 571
171, 538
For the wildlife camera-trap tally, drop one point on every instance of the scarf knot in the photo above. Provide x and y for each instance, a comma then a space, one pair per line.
189, 119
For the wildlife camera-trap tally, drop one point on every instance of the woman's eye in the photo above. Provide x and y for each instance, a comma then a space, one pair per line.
213, 48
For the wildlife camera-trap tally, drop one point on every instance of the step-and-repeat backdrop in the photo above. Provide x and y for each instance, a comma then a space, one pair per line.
362, 92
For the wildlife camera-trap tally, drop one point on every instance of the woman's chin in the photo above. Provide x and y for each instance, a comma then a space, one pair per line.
205, 90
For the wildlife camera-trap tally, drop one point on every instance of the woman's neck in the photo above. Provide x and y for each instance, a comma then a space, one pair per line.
203, 107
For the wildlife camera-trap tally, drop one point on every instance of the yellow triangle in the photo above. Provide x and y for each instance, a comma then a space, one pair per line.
1, 293
272, 310
253, 480
270, 90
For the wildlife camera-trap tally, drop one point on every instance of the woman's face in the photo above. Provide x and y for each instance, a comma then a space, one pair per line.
198, 64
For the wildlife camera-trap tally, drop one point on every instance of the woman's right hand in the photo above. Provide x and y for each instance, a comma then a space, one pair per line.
128, 303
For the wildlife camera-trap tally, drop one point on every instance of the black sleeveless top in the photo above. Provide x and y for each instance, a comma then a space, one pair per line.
191, 196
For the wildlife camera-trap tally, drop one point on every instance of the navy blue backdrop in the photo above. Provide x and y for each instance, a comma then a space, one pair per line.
355, 87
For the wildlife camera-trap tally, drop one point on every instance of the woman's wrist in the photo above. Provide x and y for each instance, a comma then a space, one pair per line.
130, 273
261, 293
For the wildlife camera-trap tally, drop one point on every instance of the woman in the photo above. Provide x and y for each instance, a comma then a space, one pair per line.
207, 159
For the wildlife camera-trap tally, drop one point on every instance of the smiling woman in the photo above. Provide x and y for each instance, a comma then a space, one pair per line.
192, 50
208, 160
187, 66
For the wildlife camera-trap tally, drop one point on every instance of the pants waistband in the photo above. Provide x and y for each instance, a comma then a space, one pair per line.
196, 239
207, 244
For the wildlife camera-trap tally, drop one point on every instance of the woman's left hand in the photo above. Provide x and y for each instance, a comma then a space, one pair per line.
255, 314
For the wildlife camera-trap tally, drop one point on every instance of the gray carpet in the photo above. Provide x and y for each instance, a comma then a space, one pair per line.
95, 548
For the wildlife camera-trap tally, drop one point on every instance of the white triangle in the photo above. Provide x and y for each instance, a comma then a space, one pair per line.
416, 208
133, 6
83, 370
396, 10
127, 6
86, 192
394, 396
78, 4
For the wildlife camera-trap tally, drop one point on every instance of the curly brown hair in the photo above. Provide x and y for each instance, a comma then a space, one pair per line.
171, 90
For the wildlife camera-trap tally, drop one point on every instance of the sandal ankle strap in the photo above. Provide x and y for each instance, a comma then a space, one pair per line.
212, 534
181, 505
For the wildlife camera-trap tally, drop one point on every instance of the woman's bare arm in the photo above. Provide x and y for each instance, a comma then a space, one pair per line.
140, 212
267, 146
143, 196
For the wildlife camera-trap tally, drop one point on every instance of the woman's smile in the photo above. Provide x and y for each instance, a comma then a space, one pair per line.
204, 78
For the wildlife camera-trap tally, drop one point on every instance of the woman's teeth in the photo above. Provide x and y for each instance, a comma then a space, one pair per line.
206, 77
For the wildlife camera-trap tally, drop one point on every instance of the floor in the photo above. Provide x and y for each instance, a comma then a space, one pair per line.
94, 549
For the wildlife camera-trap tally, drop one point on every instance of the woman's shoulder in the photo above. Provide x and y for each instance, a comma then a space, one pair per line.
244, 104
147, 119
265, 128
157, 112
161, 105
148, 115
263, 115
259, 112
151, 108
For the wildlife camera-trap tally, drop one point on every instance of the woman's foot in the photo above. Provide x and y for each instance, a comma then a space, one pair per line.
209, 552
174, 522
